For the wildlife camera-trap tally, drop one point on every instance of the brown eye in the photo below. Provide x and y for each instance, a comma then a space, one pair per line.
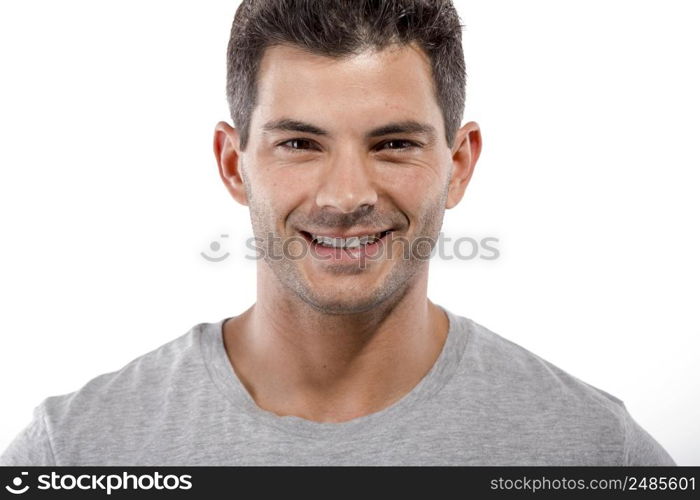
297, 144
398, 144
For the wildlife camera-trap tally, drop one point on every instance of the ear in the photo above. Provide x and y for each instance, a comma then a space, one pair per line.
465, 153
226, 150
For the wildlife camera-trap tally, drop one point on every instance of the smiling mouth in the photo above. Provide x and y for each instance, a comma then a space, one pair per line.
350, 243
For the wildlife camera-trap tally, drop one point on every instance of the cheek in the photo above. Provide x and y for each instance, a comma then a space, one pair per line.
281, 189
413, 186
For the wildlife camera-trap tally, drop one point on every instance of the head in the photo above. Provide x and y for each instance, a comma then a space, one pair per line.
346, 123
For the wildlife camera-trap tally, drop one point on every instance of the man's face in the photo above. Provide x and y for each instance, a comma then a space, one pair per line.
318, 163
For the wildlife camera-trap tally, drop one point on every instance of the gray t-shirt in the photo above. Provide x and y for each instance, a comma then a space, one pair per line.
485, 401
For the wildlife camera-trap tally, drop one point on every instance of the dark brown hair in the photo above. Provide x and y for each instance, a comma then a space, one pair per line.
339, 28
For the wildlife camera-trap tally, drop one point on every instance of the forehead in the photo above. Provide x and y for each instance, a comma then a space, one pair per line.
357, 91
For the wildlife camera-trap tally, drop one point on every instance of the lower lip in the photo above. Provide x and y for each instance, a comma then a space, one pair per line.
346, 255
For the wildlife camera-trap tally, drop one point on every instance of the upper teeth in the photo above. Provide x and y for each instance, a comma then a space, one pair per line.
352, 242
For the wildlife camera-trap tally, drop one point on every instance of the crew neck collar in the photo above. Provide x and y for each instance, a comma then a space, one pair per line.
223, 375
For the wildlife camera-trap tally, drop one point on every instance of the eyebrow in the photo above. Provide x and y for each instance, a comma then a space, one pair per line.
402, 127
288, 125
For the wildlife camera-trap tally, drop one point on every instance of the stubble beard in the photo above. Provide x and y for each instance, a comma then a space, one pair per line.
354, 300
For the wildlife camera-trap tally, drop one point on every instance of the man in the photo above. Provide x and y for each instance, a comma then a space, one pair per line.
347, 149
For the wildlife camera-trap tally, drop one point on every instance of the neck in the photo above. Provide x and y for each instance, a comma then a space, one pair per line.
296, 360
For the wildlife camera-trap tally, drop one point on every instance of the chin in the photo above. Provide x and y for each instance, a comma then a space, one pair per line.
342, 305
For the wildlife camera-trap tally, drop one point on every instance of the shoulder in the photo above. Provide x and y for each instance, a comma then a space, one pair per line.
518, 369
530, 395
128, 399
93, 418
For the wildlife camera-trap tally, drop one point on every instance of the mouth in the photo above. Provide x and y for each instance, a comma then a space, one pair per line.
355, 242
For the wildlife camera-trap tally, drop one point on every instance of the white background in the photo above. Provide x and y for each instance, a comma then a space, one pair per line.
109, 192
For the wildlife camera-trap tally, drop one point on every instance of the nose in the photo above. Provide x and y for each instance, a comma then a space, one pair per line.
346, 184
